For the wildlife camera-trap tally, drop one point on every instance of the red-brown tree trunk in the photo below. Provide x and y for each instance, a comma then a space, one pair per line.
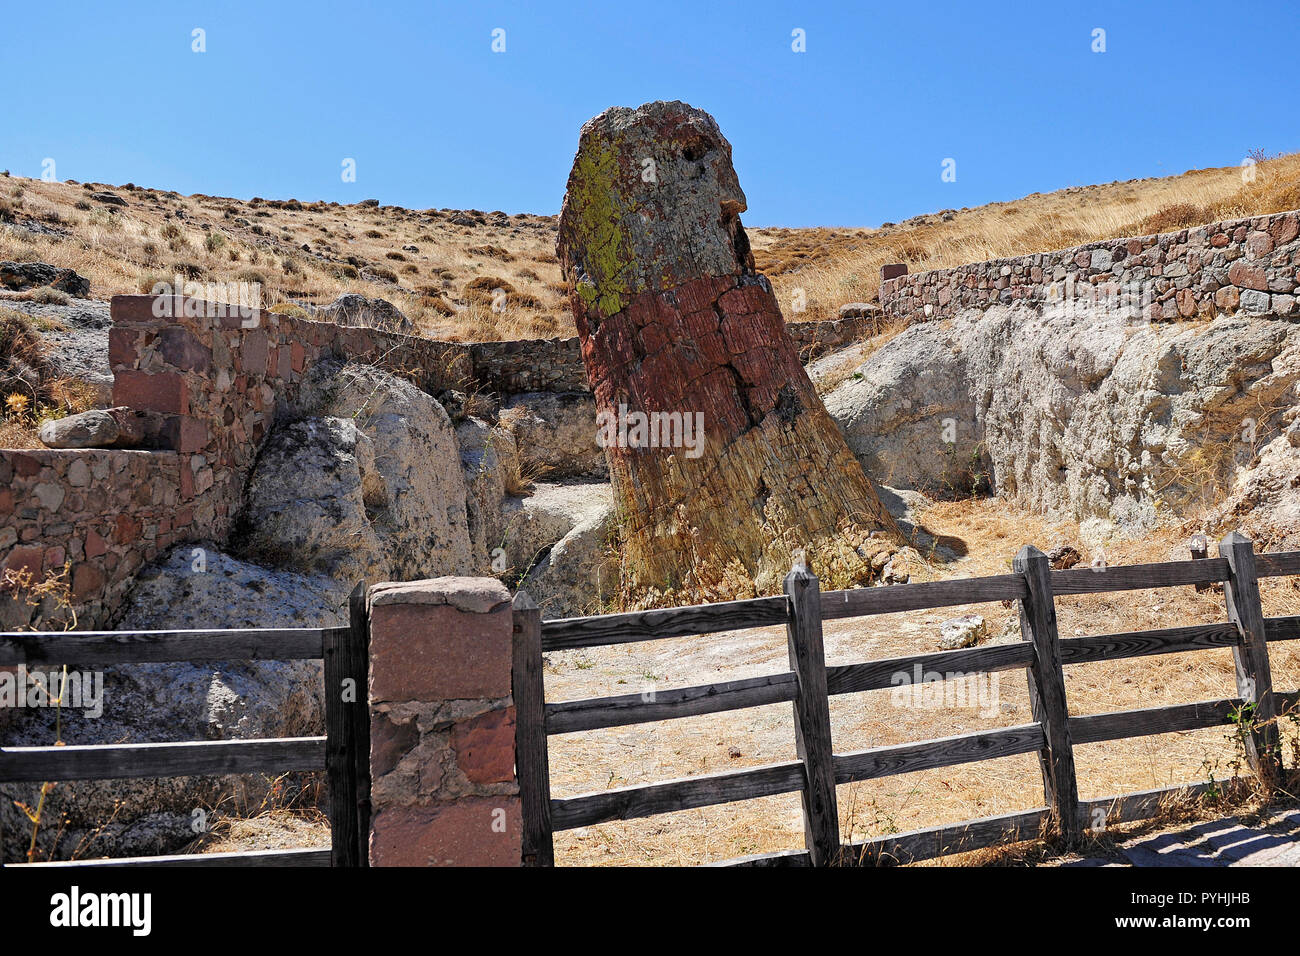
678, 330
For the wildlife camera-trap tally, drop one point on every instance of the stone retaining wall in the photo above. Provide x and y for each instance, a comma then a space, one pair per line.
208, 387
1251, 265
106, 512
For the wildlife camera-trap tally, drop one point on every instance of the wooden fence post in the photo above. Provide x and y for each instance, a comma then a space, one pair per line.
812, 717
346, 654
1047, 691
1250, 655
532, 765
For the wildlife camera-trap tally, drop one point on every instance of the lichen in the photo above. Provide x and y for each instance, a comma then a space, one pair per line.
594, 190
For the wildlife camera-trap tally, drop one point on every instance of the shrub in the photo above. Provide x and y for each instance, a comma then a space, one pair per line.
1172, 218
291, 309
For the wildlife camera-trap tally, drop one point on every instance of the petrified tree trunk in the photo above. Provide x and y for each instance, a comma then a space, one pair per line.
674, 319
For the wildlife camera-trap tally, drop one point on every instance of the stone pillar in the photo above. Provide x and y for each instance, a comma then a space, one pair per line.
442, 725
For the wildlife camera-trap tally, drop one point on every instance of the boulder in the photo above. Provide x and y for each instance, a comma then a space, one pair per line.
307, 499
108, 199
193, 586
93, 429
533, 524
556, 434
352, 309
490, 463
1264, 500
420, 513
580, 573
960, 632
20, 276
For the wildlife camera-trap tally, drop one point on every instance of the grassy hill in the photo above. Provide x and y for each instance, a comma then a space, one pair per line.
440, 265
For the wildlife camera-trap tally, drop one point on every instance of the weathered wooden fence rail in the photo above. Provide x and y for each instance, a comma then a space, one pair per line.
343, 752
809, 683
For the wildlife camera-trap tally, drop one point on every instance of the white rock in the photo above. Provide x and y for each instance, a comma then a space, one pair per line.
960, 632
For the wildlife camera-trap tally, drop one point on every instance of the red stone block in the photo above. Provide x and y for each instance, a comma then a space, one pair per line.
192, 435
484, 831
95, 544
25, 465
160, 392
122, 351
87, 582
251, 357
436, 652
54, 558
30, 559
134, 310
6, 501
1248, 276
126, 529
485, 746
390, 742
182, 349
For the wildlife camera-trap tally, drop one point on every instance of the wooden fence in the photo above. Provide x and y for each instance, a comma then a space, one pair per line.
344, 751
808, 684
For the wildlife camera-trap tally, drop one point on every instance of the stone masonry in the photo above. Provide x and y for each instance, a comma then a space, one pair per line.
442, 725
1247, 265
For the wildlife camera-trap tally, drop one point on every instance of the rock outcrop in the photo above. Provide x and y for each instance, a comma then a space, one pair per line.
674, 321
353, 309
194, 586
368, 484
21, 276
1097, 416
560, 546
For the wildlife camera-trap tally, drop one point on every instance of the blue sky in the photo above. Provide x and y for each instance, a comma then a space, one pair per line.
854, 131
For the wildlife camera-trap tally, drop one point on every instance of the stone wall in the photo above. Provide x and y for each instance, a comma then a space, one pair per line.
203, 389
106, 512
442, 725
1251, 265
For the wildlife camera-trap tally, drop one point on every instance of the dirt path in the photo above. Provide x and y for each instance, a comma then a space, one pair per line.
1273, 841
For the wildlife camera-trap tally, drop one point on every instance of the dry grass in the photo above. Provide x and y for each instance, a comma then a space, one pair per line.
31, 389
419, 260
837, 266
991, 533
441, 273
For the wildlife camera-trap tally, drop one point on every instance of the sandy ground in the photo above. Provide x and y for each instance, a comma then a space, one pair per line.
645, 753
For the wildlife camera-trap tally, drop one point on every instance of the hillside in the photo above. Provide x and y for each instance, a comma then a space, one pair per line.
439, 265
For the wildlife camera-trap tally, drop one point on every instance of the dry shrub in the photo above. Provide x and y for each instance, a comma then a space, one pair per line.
483, 288
1180, 215
24, 369
491, 252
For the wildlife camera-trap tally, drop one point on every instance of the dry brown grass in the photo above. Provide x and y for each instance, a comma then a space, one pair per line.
441, 284
837, 266
991, 533
31, 389
347, 249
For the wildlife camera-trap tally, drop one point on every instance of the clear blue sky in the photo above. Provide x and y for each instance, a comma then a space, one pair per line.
851, 132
